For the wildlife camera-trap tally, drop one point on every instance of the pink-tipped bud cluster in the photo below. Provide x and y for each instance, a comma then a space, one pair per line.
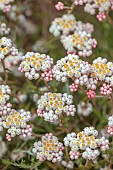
73, 87
47, 75
74, 155
59, 6
91, 94
106, 89
110, 130
101, 16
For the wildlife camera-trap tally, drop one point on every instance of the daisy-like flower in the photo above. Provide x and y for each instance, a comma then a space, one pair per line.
80, 42
3, 147
36, 65
16, 124
49, 148
53, 106
7, 48
5, 91
98, 7
84, 108
85, 144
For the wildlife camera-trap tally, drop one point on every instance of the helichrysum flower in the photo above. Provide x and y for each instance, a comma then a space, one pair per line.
63, 25
16, 124
36, 65
53, 106
49, 148
3, 147
84, 108
71, 67
85, 144
80, 42
68, 24
7, 48
102, 69
5, 92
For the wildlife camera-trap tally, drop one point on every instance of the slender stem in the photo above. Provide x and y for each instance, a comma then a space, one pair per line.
71, 8
5, 73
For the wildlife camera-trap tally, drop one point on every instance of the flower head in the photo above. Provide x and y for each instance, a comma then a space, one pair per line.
85, 144
35, 65
49, 148
52, 106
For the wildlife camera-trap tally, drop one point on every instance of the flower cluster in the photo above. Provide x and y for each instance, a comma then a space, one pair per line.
7, 48
52, 106
106, 89
70, 67
85, 144
63, 25
67, 24
92, 6
84, 108
75, 35
49, 148
110, 125
14, 121
5, 5
102, 70
59, 6
35, 65
80, 43
16, 124
4, 30
83, 73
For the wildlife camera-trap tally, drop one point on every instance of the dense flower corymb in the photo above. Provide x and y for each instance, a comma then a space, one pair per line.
80, 43
53, 106
49, 148
35, 65
85, 144
71, 67
67, 24
16, 124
